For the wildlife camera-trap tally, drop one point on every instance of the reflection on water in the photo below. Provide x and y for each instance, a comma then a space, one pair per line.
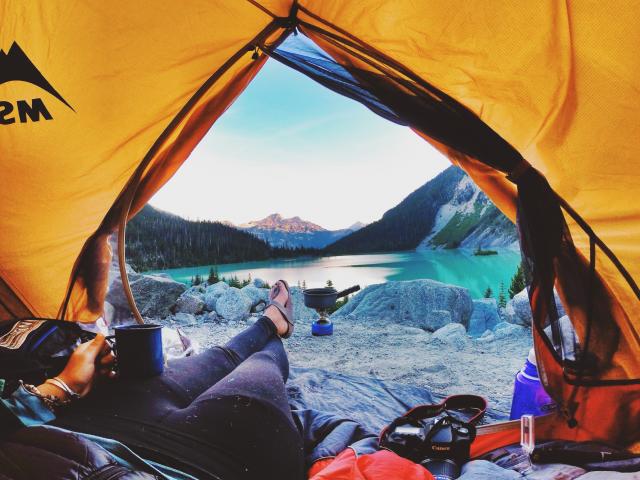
457, 267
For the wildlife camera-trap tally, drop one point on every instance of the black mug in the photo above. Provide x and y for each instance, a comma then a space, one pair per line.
139, 351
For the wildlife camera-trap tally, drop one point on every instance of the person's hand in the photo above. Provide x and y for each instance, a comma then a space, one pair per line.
88, 361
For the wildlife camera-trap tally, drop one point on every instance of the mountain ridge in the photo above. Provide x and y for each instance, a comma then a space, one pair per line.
275, 221
449, 211
294, 232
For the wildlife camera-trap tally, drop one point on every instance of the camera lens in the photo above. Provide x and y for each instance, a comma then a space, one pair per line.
442, 469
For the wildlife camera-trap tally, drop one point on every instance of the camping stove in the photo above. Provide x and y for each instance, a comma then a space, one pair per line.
321, 300
322, 326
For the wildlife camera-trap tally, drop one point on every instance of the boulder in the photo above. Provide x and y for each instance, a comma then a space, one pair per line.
233, 305
518, 309
196, 289
210, 302
154, 295
487, 337
417, 303
208, 317
509, 330
259, 283
484, 317
217, 288
212, 293
405, 330
300, 311
189, 303
182, 319
438, 318
255, 294
453, 334
260, 307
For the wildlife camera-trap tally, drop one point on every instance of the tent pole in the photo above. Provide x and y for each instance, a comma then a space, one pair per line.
123, 265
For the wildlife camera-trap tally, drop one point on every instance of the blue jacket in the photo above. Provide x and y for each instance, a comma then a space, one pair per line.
29, 449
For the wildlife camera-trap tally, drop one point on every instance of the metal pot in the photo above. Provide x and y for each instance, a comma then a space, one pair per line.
323, 298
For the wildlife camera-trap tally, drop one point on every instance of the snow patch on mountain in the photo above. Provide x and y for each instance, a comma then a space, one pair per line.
470, 220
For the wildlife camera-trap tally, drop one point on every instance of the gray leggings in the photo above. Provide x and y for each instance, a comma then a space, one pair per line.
221, 414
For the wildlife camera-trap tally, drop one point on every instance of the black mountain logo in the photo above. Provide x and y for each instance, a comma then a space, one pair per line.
16, 66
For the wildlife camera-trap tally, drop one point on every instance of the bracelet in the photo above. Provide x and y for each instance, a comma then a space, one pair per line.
50, 401
58, 382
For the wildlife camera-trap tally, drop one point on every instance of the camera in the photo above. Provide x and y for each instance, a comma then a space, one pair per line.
440, 444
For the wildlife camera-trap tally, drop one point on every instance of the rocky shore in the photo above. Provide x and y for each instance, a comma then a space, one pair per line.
420, 332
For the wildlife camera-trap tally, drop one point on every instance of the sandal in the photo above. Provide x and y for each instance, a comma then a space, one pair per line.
286, 310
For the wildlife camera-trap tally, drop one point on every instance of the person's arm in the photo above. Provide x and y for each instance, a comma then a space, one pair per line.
88, 361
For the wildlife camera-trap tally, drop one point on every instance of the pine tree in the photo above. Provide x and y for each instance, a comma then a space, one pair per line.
196, 281
502, 299
329, 284
304, 284
488, 293
518, 282
213, 276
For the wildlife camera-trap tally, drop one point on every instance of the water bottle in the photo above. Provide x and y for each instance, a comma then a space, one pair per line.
529, 396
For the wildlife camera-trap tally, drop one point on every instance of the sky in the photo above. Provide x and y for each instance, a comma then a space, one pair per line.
291, 146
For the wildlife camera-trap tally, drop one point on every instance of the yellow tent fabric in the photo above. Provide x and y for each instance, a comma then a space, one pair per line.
126, 69
101, 103
557, 80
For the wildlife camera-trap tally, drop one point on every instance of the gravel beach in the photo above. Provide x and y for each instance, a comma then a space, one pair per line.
484, 366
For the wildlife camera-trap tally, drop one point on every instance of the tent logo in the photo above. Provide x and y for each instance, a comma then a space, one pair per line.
16, 66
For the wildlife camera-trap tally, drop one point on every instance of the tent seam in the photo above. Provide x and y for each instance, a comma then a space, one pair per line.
133, 182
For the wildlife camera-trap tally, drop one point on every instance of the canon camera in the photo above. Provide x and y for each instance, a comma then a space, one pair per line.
440, 444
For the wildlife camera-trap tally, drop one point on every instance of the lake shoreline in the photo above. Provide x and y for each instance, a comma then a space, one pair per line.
304, 257
455, 267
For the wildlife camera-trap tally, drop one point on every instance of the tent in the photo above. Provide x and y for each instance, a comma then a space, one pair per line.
101, 102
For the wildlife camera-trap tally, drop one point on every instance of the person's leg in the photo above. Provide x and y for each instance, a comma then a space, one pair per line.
247, 415
182, 381
241, 423
193, 375
261, 377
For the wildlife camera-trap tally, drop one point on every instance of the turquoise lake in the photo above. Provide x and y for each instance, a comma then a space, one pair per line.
457, 267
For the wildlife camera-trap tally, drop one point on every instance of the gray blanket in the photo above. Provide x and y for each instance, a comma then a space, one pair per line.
371, 402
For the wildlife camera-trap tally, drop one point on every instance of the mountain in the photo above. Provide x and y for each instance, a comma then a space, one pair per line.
294, 232
159, 240
470, 220
356, 226
275, 221
448, 211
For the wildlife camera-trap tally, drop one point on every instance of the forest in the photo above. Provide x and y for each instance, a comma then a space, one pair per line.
158, 240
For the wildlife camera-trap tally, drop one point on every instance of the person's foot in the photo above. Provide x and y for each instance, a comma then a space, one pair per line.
278, 294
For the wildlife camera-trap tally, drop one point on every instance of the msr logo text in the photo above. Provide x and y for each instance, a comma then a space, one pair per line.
23, 111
